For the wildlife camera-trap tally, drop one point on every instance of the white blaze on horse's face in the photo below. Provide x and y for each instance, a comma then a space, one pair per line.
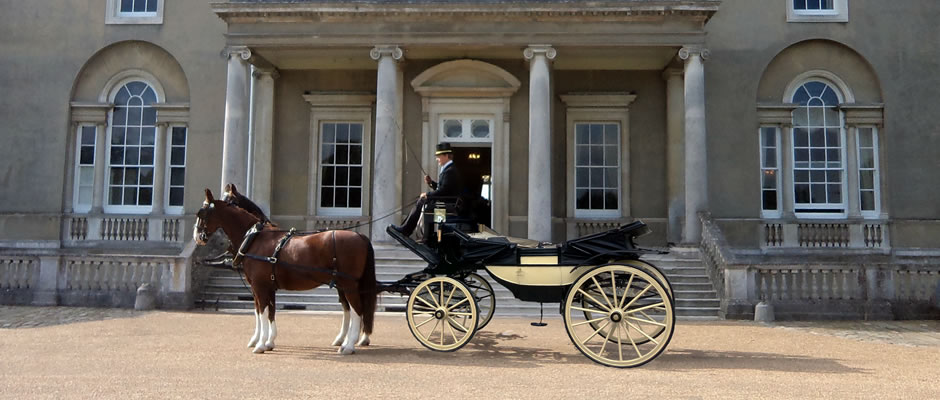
199, 233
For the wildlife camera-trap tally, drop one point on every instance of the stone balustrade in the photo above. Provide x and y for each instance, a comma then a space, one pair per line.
123, 228
18, 272
825, 234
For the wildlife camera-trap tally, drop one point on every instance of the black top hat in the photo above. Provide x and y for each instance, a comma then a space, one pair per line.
443, 148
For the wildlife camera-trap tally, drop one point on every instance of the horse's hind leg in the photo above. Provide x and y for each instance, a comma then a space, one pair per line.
272, 327
345, 326
265, 299
355, 323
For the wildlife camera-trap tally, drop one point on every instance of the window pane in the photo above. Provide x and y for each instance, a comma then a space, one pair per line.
834, 176
832, 116
866, 179
355, 197
327, 176
329, 133
146, 176
597, 199
835, 193
801, 176
610, 199
817, 138
146, 155
342, 199
864, 137
611, 178
117, 136
452, 128
147, 136
115, 197
342, 133
177, 176
355, 133
832, 137
342, 176
770, 158
127, 5
150, 116
581, 177
326, 197
176, 196
86, 176
581, 133
117, 155
88, 135
342, 153
597, 134
866, 159
817, 156
178, 156
868, 200
130, 196
800, 137
769, 180
133, 116
769, 137
179, 136
801, 155
131, 156
582, 155
832, 155
802, 193
610, 156
151, 5
117, 176
139, 6
581, 198
87, 155
355, 155
480, 128
84, 195
327, 155
800, 117
612, 134
769, 200
355, 176
130, 176
133, 136
597, 155
818, 193
597, 177
145, 196
799, 4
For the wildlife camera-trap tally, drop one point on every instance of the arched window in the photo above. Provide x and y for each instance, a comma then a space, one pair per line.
131, 148
818, 150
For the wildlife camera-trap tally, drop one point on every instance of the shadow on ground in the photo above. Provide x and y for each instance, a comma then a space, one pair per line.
19, 317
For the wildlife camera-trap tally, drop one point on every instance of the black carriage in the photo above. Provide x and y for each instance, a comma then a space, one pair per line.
618, 309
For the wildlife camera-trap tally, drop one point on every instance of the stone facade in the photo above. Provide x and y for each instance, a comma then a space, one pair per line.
694, 106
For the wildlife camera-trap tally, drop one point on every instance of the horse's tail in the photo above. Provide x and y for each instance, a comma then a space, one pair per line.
368, 287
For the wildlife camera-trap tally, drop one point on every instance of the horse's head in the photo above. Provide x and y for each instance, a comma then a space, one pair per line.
233, 197
206, 219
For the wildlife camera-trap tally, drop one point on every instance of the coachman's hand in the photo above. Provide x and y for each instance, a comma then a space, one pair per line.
424, 195
427, 179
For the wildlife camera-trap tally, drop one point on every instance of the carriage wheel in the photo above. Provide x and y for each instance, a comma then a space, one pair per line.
442, 314
629, 304
484, 295
607, 287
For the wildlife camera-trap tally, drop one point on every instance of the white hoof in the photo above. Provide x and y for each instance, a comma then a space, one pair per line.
252, 342
338, 341
364, 341
269, 346
347, 350
258, 350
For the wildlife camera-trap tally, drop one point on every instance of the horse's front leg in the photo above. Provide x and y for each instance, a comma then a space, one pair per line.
272, 327
355, 324
266, 303
257, 336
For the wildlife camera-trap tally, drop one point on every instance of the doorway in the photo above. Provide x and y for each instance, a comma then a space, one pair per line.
475, 164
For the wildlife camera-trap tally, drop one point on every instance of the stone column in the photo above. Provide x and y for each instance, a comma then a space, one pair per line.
675, 153
540, 144
97, 198
263, 145
386, 187
159, 170
696, 171
786, 168
235, 131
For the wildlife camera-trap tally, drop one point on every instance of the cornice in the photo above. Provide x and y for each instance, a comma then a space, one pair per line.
322, 11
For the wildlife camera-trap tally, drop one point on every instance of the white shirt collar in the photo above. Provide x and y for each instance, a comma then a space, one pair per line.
447, 165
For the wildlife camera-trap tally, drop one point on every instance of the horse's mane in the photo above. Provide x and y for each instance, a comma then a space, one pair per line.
246, 204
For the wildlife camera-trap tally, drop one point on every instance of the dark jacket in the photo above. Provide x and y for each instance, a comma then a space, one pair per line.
449, 185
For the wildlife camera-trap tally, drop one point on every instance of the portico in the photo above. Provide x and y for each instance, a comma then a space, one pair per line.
635, 148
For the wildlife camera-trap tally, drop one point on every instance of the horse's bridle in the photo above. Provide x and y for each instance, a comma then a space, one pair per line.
201, 225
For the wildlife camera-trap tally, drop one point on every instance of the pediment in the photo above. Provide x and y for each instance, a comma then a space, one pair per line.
462, 78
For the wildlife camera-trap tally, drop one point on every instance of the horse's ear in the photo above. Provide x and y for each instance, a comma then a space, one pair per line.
233, 189
209, 197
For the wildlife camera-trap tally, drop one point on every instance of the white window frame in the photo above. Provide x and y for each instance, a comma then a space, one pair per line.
604, 213
114, 16
842, 95
125, 209
343, 211
839, 13
76, 205
339, 108
779, 168
601, 108
466, 136
876, 180
174, 210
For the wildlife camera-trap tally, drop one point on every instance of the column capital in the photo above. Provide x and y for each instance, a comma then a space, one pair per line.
241, 51
688, 51
539, 49
392, 51
670, 73
261, 72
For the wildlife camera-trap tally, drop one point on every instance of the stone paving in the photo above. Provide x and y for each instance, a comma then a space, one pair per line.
61, 352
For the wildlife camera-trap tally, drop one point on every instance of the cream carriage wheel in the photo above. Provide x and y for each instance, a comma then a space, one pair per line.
607, 286
442, 314
604, 320
484, 295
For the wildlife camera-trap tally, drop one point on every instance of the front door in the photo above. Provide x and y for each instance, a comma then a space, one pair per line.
474, 162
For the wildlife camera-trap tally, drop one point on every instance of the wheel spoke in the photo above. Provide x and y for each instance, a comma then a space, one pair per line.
451, 295
613, 283
646, 321
626, 290
595, 332
646, 307
601, 289
433, 297
606, 339
442, 295
637, 297
458, 303
592, 311
425, 321
425, 302
431, 332
637, 349
641, 332
619, 344
453, 334
593, 300
461, 328
590, 321
463, 314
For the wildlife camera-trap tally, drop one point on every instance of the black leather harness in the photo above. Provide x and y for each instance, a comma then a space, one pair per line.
273, 259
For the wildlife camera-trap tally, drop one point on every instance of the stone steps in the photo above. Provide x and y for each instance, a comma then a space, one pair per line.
695, 295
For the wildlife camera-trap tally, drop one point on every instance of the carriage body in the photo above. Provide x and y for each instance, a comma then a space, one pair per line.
606, 292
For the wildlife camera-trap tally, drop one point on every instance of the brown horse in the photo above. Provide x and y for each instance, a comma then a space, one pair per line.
304, 262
